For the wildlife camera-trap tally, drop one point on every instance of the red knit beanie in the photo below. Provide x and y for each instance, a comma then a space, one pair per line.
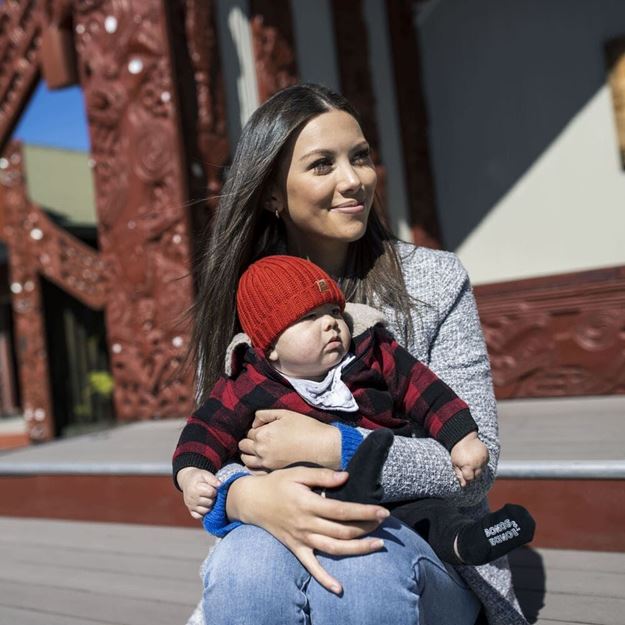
276, 291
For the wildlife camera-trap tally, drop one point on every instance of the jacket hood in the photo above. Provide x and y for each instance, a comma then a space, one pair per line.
359, 318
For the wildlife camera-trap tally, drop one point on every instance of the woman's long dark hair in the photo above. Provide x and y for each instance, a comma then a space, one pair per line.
243, 230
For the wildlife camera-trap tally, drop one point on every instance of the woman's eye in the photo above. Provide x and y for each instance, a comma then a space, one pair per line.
321, 166
363, 156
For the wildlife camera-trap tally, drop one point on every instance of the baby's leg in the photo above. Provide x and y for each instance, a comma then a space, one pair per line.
459, 539
454, 537
365, 468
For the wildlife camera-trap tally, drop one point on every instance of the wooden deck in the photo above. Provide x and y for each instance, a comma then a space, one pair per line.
73, 573
76, 573
562, 458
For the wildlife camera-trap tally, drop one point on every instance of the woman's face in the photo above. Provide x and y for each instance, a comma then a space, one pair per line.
328, 183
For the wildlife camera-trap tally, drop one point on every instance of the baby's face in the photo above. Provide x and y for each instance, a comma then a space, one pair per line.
311, 346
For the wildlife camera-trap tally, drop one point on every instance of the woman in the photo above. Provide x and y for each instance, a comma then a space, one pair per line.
302, 182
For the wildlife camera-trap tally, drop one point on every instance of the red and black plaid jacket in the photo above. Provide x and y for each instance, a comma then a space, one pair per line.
392, 388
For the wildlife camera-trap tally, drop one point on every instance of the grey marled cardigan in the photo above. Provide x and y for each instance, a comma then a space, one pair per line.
448, 338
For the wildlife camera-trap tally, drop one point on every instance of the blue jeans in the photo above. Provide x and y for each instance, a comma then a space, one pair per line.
252, 579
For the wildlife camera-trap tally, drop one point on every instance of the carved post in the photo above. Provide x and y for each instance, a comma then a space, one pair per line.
37, 246
58, 55
413, 123
19, 232
353, 57
274, 47
204, 117
19, 59
126, 72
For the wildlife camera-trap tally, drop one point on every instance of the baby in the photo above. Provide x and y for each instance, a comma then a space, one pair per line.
302, 358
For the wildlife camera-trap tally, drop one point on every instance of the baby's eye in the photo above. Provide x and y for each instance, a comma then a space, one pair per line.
309, 316
336, 311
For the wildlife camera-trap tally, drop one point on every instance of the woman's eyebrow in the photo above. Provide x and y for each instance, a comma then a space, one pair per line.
322, 151
327, 152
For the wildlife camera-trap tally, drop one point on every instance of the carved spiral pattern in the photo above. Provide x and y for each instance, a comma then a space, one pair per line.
556, 336
126, 71
598, 330
154, 146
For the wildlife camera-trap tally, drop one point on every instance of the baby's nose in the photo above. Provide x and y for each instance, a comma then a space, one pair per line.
329, 320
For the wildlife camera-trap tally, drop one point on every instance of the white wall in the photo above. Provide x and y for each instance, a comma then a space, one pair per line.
567, 213
523, 142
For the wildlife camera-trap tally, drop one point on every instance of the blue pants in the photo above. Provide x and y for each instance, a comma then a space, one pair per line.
252, 579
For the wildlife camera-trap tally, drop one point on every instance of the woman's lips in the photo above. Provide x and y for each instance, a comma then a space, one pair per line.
351, 209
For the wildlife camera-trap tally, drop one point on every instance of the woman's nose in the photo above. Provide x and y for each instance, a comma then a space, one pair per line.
349, 180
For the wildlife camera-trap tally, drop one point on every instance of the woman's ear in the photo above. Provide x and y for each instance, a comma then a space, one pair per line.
272, 201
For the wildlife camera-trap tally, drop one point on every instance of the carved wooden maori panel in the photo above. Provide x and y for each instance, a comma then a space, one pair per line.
274, 46
26, 301
204, 125
20, 36
38, 247
126, 72
556, 336
413, 122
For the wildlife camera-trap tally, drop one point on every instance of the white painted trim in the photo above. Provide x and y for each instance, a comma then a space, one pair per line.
516, 469
562, 469
237, 56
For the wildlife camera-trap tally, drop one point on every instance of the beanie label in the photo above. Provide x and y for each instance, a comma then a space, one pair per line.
322, 285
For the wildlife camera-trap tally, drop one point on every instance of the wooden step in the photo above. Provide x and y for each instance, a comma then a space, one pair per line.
563, 459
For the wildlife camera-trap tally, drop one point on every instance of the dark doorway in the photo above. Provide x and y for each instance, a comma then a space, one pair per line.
80, 378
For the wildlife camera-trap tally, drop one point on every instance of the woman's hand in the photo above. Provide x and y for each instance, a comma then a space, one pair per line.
284, 505
279, 438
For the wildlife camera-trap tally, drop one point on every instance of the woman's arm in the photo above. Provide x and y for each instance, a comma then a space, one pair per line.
279, 438
284, 504
422, 467
416, 467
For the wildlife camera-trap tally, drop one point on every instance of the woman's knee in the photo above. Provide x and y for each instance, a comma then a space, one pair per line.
246, 555
249, 569
387, 586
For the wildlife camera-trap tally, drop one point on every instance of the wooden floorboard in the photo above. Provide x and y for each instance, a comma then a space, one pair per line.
63, 573
59, 603
170, 542
28, 616
66, 573
570, 587
557, 428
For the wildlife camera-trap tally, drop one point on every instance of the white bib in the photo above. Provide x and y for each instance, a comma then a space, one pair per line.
331, 393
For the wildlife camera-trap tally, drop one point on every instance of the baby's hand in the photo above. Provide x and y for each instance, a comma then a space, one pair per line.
199, 488
469, 455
